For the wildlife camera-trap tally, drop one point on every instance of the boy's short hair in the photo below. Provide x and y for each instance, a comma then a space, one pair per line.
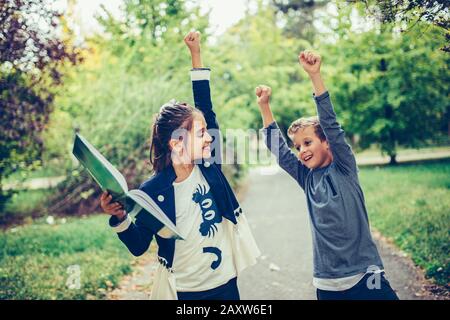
304, 123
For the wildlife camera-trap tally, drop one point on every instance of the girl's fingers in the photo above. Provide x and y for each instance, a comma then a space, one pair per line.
107, 200
113, 206
117, 205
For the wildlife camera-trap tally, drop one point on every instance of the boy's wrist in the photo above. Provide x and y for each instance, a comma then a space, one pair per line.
264, 106
314, 75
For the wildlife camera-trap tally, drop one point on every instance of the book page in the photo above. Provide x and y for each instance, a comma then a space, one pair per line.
144, 200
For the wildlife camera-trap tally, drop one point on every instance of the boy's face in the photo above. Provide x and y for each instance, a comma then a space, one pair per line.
312, 152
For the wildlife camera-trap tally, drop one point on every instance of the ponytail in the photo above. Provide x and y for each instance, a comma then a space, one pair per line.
172, 116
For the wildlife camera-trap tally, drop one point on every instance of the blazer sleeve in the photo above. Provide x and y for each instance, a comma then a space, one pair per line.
202, 98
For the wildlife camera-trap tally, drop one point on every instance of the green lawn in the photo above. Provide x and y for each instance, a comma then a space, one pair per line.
35, 259
411, 205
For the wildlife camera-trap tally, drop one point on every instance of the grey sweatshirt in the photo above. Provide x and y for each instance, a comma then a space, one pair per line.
342, 243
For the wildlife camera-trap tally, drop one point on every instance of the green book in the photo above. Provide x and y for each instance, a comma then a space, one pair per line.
111, 180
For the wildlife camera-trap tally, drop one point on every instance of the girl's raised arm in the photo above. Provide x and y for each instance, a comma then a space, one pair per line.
202, 93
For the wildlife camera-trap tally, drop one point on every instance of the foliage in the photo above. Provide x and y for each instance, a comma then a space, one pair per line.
393, 90
31, 55
112, 98
300, 17
410, 12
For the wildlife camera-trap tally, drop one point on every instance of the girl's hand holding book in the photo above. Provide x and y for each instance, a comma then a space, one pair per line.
114, 209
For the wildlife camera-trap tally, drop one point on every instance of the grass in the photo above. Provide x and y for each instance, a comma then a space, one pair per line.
375, 152
411, 205
408, 203
36, 260
24, 205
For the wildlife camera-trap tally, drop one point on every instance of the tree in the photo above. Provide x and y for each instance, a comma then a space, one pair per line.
152, 28
136, 65
412, 11
31, 54
299, 16
392, 91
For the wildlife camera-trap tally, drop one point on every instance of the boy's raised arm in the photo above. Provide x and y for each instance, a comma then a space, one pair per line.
263, 94
341, 150
275, 141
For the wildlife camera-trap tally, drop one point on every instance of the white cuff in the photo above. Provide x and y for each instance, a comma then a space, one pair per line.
123, 225
201, 74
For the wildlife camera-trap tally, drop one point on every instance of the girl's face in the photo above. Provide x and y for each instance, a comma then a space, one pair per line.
199, 141
188, 146
312, 152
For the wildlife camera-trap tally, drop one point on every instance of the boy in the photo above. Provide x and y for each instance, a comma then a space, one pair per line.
346, 260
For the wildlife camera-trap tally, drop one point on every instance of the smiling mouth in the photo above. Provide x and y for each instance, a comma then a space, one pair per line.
305, 159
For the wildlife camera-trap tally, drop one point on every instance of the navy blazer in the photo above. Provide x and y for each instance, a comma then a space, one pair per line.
159, 187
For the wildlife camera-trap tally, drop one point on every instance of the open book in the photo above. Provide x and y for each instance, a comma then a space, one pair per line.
111, 180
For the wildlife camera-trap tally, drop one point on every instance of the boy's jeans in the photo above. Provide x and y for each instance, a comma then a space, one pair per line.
361, 291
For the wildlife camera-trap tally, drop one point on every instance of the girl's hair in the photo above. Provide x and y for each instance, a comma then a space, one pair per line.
304, 123
172, 116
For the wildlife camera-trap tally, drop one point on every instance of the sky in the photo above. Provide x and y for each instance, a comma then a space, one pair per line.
224, 13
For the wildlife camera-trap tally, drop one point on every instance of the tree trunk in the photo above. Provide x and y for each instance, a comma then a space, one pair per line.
393, 160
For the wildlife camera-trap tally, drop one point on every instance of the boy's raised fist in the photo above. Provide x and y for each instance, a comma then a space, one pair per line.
263, 94
310, 61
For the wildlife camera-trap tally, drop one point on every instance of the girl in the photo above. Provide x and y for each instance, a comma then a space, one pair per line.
191, 189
